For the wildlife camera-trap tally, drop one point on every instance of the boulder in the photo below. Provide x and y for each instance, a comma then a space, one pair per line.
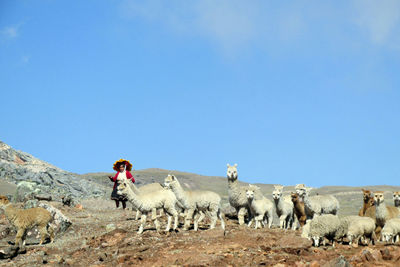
26, 191
61, 221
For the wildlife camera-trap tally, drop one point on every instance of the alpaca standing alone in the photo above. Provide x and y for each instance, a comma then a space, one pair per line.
150, 202
202, 202
237, 194
24, 220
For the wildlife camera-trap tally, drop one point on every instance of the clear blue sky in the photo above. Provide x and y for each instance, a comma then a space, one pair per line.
292, 91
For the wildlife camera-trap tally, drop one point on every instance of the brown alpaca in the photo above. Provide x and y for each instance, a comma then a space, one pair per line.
381, 212
368, 201
26, 219
299, 209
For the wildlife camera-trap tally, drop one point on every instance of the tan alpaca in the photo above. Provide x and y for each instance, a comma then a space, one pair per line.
27, 219
299, 209
368, 202
381, 212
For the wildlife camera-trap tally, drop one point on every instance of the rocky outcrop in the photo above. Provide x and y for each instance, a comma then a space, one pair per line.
17, 166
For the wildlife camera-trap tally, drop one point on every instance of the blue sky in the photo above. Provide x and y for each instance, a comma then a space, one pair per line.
292, 91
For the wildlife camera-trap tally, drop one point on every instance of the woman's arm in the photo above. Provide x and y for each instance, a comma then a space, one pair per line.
130, 176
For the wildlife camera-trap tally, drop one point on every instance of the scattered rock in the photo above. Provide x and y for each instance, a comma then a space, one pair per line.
61, 221
32, 203
338, 262
9, 252
110, 227
79, 206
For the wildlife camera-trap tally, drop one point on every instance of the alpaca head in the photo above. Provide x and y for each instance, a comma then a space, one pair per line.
277, 193
396, 197
231, 172
295, 197
170, 180
122, 188
3, 201
378, 197
366, 195
250, 194
301, 189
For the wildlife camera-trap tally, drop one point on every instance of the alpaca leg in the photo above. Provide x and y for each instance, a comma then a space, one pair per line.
142, 223
282, 223
250, 222
188, 219
242, 212
43, 234
137, 215
270, 218
50, 230
19, 239
213, 212
198, 220
258, 219
168, 223
221, 217
155, 219
295, 222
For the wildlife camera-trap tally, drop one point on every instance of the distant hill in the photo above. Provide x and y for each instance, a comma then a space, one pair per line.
16, 166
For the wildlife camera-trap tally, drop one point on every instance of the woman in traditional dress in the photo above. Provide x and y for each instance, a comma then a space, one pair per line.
123, 168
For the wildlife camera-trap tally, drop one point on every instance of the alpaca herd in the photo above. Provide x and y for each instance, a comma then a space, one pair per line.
316, 216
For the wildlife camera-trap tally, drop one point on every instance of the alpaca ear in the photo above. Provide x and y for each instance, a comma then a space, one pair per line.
227, 165
235, 165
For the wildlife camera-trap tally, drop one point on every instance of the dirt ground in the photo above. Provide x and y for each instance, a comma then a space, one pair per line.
104, 236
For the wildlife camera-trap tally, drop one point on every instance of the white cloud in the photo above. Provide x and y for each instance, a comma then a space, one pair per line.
10, 32
236, 24
380, 18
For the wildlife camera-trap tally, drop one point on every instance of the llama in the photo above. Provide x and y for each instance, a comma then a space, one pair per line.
27, 219
318, 204
380, 212
237, 194
261, 208
368, 202
299, 209
284, 209
196, 202
150, 202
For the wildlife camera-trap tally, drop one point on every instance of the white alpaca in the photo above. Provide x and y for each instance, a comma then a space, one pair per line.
361, 227
284, 209
261, 208
317, 205
202, 202
148, 188
391, 230
150, 202
237, 194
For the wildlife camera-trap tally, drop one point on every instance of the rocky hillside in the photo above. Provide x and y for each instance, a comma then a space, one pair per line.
16, 166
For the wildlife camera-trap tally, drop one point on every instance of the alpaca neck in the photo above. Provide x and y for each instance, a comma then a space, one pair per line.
367, 204
380, 211
233, 184
135, 189
133, 198
10, 212
180, 194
